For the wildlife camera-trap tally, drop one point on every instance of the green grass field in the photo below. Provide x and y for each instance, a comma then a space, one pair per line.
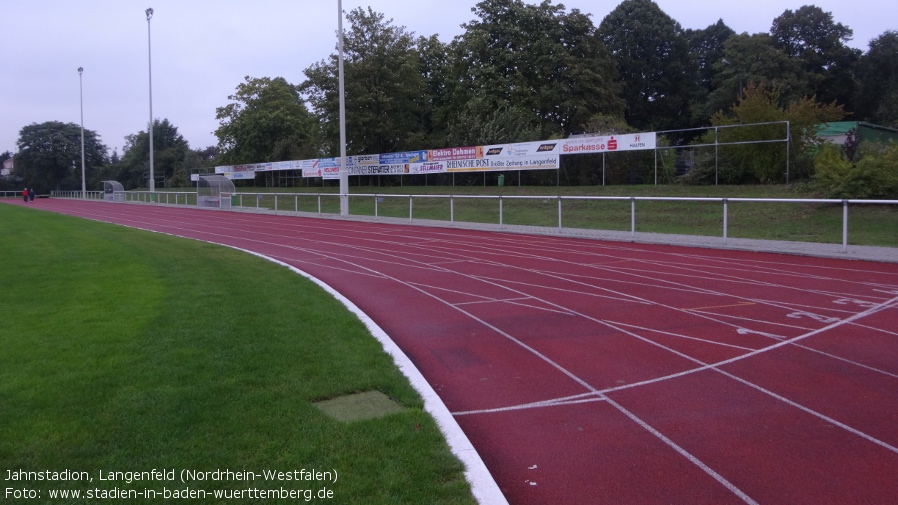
127, 351
804, 222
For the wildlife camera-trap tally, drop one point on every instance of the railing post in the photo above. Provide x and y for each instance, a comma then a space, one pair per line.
559, 212
295, 203
633, 216
844, 226
375, 205
410, 208
275, 202
500, 211
319, 203
724, 221
452, 203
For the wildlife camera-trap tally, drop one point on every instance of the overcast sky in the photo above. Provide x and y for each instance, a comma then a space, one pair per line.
202, 49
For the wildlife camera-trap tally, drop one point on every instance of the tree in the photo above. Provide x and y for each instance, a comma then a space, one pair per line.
652, 55
812, 37
877, 100
49, 155
754, 60
384, 88
169, 151
538, 60
742, 161
707, 48
267, 121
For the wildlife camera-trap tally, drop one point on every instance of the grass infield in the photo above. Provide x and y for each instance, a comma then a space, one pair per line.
128, 351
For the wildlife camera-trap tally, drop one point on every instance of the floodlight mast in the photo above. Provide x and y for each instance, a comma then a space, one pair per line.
344, 176
81, 96
149, 13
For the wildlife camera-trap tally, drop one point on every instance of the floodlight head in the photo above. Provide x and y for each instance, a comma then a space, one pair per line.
80, 70
149, 13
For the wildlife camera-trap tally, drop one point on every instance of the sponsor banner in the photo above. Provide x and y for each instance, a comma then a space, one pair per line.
474, 165
405, 157
535, 162
433, 167
281, 165
522, 149
239, 175
330, 172
363, 159
328, 168
456, 153
311, 172
396, 168
224, 169
609, 143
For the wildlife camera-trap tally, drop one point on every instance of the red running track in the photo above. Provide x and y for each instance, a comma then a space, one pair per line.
592, 372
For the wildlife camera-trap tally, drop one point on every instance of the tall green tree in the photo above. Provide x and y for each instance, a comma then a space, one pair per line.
49, 156
741, 160
266, 121
169, 152
811, 36
877, 98
755, 60
384, 88
652, 55
539, 60
707, 48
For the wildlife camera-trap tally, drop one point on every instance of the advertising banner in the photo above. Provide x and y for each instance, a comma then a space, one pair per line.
406, 157
363, 159
522, 149
234, 176
396, 168
536, 155
456, 153
609, 143
433, 167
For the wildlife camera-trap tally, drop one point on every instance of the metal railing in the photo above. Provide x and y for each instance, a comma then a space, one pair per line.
328, 203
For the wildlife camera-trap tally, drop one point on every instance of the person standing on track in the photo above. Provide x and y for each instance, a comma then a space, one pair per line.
30, 194
25, 195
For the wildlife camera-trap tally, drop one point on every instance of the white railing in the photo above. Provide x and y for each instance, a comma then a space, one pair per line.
290, 202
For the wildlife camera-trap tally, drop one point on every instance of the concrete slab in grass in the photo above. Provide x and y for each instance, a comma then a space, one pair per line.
359, 406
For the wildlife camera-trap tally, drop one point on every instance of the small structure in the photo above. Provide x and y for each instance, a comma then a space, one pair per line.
837, 132
214, 191
113, 191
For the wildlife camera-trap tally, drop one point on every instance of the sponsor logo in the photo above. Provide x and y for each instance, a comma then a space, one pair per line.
494, 151
546, 147
456, 153
467, 164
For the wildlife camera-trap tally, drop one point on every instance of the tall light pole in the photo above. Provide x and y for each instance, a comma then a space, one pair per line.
344, 175
81, 93
149, 13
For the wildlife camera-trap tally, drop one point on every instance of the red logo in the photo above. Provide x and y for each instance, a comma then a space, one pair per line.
612, 144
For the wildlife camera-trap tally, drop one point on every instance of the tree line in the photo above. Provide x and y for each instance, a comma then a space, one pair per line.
522, 71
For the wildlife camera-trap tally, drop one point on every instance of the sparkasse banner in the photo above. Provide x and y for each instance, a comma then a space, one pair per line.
608, 143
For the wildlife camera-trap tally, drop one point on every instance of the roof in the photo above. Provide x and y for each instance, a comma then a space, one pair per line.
865, 131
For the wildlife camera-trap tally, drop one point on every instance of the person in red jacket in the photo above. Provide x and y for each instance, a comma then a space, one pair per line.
25, 195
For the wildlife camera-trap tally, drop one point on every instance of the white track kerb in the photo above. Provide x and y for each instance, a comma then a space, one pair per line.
483, 486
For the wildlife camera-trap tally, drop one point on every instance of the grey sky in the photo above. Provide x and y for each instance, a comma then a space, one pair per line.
202, 49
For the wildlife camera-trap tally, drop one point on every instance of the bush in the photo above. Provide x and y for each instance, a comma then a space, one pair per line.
874, 175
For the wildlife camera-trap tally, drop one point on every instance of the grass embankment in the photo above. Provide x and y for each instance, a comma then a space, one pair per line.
807, 222
123, 350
